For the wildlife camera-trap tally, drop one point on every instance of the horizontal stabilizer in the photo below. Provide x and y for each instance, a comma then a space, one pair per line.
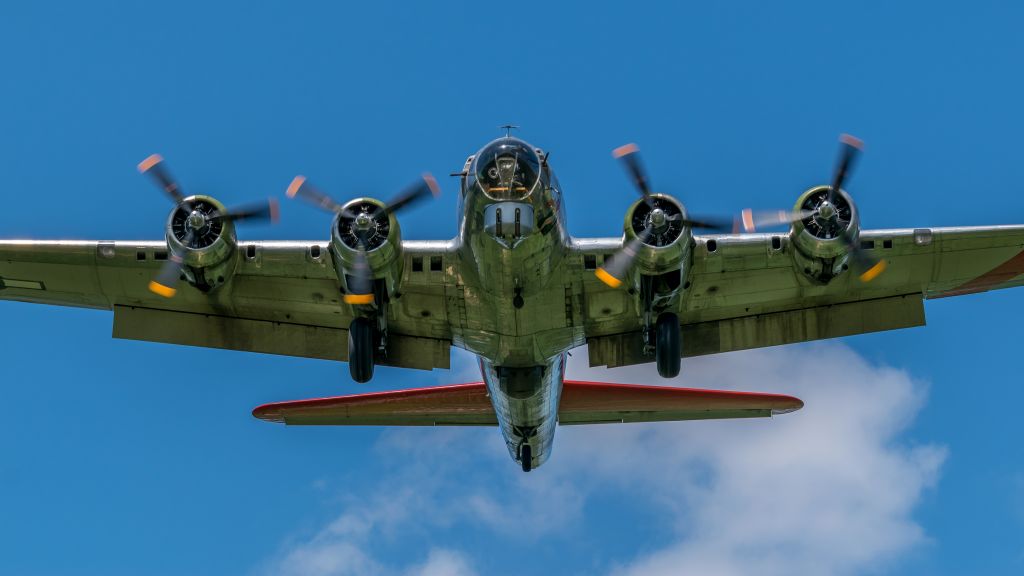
462, 404
601, 402
582, 403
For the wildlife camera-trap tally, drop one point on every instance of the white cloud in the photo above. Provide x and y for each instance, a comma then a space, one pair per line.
830, 489
826, 490
345, 546
442, 562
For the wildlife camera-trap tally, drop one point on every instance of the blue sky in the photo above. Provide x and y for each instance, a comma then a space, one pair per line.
126, 457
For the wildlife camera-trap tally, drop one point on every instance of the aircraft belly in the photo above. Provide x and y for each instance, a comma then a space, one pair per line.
526, 409
492, 326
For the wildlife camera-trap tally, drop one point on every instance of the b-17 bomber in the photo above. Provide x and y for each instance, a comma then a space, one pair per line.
516, 290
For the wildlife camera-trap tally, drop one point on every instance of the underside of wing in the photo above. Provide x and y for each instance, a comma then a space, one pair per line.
601, 402
581, 403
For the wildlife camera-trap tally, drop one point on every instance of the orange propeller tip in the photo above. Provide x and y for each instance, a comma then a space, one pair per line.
607, 278
358, 298
873, 272
852, 141
293, 188
624, 150
161, 290
435, 189
149, 162
275, 210
748, 220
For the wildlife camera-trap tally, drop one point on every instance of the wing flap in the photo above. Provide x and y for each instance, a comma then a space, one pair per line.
601, 403
269, 337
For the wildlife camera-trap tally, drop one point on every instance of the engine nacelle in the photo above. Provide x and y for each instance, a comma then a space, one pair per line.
210, 256
365, 223
666, 250
823, 239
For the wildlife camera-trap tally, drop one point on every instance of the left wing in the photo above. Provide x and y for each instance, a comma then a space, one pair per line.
282, 299
581, 403
744, 290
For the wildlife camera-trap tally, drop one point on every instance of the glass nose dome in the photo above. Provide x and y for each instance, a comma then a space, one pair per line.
506, 169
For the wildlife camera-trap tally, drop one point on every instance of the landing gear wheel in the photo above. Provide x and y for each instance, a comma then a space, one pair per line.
526, 457
360, 350
666, 349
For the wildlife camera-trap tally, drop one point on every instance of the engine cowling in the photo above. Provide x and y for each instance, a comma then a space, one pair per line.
664, 252
364, 223
824, 238
210, 257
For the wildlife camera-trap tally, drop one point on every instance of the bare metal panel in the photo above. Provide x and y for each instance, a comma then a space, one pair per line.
287, 339
758, 331
623, 417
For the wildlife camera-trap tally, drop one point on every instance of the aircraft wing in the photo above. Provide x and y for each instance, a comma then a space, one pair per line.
581, 403
745, 291
282, 299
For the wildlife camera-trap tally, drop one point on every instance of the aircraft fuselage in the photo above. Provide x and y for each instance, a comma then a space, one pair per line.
513, 243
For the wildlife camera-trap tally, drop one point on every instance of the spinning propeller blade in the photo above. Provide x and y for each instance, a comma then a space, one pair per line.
301, 188
154, 166
267, 211
361, 286
753, 220
613, 271
421, 190
166, 281
850, 147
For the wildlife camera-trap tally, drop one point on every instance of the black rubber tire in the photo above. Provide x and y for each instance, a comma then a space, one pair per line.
526, 457
360, 350
666, 348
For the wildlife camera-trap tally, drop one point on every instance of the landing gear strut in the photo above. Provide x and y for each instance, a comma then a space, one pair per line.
361, 345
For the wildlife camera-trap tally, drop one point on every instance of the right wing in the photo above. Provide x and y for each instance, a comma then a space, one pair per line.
581, 403
283, 298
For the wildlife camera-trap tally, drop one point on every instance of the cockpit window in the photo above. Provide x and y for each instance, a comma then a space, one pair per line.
507, 169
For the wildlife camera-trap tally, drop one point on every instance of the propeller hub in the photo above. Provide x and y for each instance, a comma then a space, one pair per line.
196, 220
826, 211
363, 222
658, 218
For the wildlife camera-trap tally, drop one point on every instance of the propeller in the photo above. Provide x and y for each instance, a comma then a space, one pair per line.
362, 225
199, 221
850, 148
614, 270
